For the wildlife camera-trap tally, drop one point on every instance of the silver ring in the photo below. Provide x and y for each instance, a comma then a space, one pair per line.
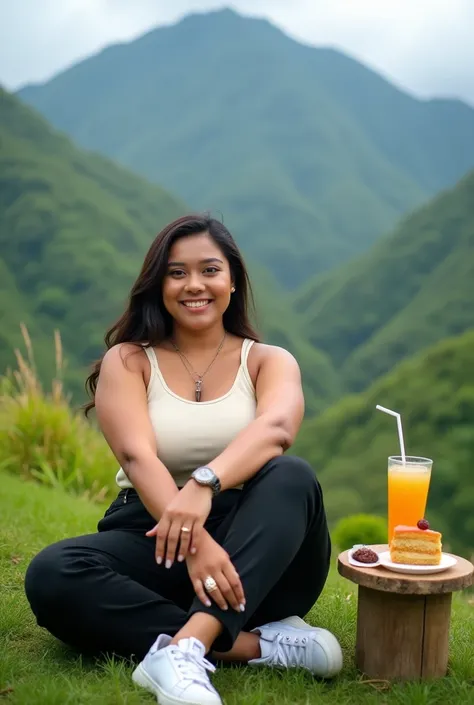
185, 529
210, 584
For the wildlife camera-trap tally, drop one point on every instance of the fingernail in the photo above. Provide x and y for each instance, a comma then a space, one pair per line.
208, 603
242, 608
225, 607
193, 550
180, 558
168, 563
159, 560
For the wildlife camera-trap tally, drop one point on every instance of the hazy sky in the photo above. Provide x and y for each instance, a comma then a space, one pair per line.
425, 46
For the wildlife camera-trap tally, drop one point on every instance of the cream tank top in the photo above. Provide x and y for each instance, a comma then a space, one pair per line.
190, 433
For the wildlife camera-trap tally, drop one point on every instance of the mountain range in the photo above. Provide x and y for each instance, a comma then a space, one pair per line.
309, 155
412, 289
74, 228
311, 158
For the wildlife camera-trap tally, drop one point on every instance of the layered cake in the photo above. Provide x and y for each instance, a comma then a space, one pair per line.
415, 546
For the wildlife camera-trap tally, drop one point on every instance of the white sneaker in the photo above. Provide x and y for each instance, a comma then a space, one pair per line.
177, 673
292, 643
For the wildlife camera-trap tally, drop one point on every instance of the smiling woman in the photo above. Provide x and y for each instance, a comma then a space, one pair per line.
210, 513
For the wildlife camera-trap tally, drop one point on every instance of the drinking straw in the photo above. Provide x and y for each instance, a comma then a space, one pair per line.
399, 426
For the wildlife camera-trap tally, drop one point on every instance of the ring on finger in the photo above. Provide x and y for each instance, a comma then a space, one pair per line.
185, 529
210, 584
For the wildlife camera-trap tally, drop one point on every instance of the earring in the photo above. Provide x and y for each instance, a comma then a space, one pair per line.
232, 290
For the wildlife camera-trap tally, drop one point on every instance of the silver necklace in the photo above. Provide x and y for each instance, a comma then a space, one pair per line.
192, 372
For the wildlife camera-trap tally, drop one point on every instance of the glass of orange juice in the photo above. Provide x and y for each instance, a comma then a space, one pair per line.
408, 485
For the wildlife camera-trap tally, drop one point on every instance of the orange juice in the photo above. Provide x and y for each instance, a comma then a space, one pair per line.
408, 487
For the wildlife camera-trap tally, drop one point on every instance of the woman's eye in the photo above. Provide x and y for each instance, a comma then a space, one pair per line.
179, 273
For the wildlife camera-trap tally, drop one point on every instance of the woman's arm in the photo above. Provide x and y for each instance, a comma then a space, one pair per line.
122, 413
280, 410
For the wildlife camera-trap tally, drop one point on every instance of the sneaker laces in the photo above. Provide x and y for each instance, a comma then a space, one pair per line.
191, 663
288, 650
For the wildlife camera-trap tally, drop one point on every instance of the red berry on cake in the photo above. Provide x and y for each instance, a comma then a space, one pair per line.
423, 525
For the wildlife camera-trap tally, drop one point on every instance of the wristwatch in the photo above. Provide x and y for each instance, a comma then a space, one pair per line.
207, 477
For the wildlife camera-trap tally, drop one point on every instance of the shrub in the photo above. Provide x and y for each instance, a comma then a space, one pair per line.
43, 439
359, 528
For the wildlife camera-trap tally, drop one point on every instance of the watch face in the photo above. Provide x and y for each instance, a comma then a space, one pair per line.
205, 474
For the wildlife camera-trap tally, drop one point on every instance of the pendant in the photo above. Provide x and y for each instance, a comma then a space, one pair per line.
198, 389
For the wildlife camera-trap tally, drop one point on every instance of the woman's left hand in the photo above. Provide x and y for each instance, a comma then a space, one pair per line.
189, 509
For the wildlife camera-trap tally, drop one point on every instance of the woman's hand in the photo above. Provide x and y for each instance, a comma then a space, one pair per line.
181, 524
212, 561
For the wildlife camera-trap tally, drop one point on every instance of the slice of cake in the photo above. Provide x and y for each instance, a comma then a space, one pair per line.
415, 546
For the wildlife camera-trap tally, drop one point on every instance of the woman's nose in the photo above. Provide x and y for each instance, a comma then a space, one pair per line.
194, 284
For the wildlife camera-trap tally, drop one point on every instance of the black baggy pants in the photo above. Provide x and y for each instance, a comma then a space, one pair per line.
104, 592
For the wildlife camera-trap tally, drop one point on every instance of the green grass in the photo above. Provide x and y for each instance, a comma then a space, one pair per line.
35, 669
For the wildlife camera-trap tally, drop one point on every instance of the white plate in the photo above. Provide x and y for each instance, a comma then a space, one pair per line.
446, 562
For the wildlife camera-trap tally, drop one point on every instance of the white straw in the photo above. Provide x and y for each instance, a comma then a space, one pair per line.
399, 426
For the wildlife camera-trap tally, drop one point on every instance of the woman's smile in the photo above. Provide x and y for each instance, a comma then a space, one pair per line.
196, 305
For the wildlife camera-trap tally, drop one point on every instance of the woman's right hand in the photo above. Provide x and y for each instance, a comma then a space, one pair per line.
212, 561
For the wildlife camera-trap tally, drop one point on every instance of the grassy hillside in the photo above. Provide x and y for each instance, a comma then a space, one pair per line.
36, 669
411, 290
310, 156
349, 443
73, 227
13, 310
277, 319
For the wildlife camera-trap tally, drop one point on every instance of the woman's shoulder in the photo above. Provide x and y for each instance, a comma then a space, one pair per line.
129, 355
263, 353
265, 350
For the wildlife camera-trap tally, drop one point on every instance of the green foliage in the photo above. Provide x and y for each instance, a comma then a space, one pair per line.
73, 231
359, 528
349, 444
37, 669
280, 326
413, 289
41, 438
309, 155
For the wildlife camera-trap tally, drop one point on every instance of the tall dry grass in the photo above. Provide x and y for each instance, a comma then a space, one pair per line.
43, 439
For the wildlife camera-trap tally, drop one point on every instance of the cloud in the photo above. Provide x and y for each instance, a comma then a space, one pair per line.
426, 46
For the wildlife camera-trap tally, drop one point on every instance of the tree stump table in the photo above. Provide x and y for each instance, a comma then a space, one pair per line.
403, 620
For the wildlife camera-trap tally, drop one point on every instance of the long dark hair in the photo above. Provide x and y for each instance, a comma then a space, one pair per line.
146, 320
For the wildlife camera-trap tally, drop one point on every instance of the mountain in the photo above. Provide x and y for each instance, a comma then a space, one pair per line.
14, 310
74, 228
309, 155
348, 445
411, 290
280, 325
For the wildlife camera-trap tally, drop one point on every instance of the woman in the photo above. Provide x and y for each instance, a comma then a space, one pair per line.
217, 542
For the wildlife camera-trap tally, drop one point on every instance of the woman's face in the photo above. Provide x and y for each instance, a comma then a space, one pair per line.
197, 286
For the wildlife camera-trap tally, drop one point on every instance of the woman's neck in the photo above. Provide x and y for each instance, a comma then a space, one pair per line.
189, 340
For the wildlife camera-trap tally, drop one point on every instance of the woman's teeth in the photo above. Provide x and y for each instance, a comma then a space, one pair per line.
196, 304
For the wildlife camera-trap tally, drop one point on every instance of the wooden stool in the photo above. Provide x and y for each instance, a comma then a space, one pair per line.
403, 620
